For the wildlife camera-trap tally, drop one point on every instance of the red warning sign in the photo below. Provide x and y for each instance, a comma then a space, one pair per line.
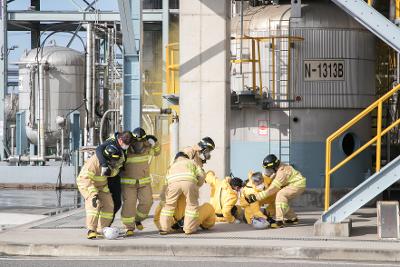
262, 128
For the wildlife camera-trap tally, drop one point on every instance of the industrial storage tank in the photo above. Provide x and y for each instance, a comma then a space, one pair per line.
323, 76
63, 89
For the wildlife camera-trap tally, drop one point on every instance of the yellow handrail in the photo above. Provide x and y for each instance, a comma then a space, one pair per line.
170, 67
256, 58
379, 133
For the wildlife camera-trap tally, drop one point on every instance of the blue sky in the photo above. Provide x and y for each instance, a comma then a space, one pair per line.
22, 39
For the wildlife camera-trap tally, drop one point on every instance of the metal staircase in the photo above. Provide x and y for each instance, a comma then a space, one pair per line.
363, 193
375, 184
371, 19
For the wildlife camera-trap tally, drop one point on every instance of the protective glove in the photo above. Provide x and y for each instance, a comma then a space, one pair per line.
105, 171
251, 198
95, 201
236, 221
152, 140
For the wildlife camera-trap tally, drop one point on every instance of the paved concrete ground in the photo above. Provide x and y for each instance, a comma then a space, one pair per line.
177, 262
64, 235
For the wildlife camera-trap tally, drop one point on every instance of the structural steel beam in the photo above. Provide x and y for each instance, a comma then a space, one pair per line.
3, 76
131, 27
80, 16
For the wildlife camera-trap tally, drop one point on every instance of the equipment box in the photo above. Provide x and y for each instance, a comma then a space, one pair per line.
388, 219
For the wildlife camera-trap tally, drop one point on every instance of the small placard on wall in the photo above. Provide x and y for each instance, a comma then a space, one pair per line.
262, 128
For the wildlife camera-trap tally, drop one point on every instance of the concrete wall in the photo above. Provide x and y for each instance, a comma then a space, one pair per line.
204, 77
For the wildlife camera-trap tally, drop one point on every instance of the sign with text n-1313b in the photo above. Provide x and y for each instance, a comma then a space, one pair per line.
324, 70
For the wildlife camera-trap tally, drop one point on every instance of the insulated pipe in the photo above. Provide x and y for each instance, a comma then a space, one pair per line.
89, 49
102, 122
42, 125
174, 136
94, 80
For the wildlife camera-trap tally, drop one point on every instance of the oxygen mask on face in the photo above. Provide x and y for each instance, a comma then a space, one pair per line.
138, 147
205, 155
269, 172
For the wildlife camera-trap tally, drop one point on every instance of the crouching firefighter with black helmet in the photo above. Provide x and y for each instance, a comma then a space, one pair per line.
287, 183
200, 153
136, 180
93, 187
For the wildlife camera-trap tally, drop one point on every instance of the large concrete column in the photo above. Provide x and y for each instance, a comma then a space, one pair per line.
204, 32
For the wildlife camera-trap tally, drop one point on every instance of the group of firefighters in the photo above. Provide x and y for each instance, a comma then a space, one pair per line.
118, 175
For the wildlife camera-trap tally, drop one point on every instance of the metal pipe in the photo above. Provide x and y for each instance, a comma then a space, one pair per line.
94, 52
12, 139
102, 122
89, 45
17, 159
241, 36
174, 136
62, 143
42, 124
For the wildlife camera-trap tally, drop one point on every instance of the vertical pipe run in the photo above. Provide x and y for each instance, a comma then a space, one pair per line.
95, 47
288, 66
42, 145
259, 67
89, 48
241, 37
174, 136
253, 63
167, 69
273, 68
12, 139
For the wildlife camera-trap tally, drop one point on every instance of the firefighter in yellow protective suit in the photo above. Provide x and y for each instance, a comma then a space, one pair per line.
257, 183
206, 213
93, 187
183, 177
287, 184
200, 153
136, 180
223, 197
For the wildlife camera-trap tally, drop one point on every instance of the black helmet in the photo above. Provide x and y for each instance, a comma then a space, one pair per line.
181, 154
207, 142
236, 182
112, 153
271, 162
138, 134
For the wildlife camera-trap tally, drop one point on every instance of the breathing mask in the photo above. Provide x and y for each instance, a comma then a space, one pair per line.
260, 187
124, 146
205, 155
138, 147
269, 172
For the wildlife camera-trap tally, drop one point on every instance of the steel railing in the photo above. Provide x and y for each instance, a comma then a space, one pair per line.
377, 139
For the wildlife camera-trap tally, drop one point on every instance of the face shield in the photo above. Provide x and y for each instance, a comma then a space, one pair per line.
205, 155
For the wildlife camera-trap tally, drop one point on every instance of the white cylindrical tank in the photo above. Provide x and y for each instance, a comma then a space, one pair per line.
332, 71
64, 77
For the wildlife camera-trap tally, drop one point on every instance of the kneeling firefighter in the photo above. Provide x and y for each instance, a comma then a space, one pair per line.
256, 184
183, 177
223, 197
206, 214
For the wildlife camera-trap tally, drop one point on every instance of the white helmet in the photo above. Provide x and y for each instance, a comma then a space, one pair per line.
110, 232
260, 223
